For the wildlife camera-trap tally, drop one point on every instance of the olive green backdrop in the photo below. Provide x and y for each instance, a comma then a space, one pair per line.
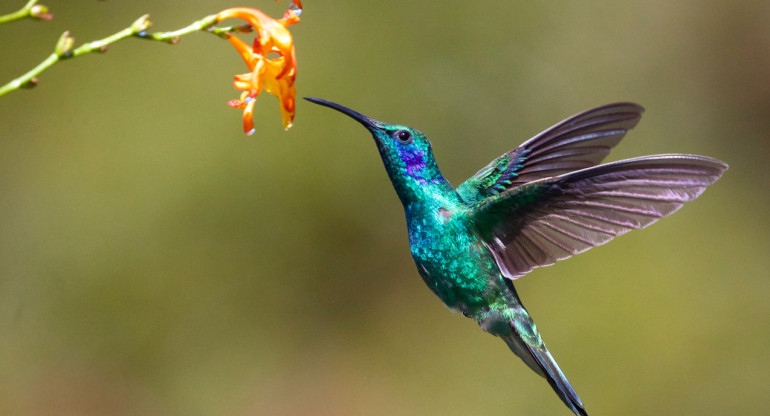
156, 261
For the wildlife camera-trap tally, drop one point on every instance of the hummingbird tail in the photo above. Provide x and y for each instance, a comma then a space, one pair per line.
536, 356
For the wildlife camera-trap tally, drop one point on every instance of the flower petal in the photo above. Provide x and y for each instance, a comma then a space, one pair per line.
248, 116
274, 75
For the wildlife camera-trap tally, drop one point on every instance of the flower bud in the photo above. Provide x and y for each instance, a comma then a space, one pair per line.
32, 83
65, 44
141, 24
41, 12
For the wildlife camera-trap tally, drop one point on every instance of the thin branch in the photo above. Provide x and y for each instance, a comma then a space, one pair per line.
138, 29
29, 10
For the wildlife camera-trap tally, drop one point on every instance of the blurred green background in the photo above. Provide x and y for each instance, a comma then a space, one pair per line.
156, 261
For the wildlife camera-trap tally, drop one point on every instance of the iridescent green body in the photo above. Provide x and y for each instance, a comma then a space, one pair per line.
450, 257
532, 206
457, 266
446, 243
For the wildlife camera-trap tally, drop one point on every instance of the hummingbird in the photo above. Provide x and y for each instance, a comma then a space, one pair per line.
542, 202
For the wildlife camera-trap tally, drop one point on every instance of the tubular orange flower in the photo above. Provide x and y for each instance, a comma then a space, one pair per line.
273, 74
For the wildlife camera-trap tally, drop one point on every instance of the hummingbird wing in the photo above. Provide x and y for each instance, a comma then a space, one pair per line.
578, 142
551, 219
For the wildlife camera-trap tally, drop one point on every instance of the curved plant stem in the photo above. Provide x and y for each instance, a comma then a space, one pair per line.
19, 14
207, 23
138, 29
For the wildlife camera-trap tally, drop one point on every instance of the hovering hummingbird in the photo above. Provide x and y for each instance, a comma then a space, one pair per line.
539, 203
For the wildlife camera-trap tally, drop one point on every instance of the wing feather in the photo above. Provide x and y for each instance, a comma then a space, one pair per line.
576, 143
554, 218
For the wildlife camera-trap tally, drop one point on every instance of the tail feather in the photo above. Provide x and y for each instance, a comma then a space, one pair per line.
526, 343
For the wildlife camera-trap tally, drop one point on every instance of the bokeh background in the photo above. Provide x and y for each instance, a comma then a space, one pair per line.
156, 261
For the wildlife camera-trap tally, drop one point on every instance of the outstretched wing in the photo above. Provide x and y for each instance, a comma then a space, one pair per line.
578, 142
551, 219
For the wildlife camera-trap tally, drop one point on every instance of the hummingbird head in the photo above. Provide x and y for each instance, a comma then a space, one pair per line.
405, 151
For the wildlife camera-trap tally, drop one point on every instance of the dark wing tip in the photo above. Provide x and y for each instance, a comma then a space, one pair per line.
628, 104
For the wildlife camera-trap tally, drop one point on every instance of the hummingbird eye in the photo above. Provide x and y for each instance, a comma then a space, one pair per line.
403, 136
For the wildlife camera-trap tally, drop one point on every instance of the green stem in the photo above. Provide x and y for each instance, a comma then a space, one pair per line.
173, 35
19, 14
29, 77
138, 29
99, 45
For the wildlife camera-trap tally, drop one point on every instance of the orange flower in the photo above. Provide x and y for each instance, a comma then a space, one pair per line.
271, 61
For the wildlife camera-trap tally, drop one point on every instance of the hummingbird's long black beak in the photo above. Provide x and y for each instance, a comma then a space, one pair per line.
366, 121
